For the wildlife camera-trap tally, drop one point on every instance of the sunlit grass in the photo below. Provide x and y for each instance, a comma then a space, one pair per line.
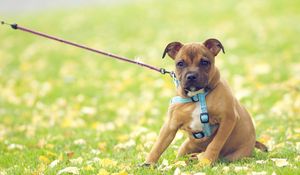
62, 103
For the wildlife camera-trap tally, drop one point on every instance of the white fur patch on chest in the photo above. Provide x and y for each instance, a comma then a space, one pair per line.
195, 124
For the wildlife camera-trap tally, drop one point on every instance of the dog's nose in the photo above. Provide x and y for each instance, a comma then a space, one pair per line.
191, 76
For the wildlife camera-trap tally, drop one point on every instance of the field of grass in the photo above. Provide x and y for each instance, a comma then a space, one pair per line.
63, 107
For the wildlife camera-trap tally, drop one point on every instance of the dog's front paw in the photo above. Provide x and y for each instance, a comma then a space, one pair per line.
193, 156
146, 165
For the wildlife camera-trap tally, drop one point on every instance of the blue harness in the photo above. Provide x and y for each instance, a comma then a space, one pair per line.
204, 117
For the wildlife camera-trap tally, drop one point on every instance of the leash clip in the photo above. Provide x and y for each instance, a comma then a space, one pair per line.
164, 71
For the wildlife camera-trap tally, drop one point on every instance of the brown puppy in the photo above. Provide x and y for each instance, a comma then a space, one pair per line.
234, 137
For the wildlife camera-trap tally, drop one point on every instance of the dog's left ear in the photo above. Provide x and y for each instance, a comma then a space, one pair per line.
172, 49
214, 46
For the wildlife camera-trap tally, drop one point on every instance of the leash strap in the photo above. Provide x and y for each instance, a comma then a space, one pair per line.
18, 27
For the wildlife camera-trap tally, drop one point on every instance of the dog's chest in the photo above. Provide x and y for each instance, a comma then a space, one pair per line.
195, 123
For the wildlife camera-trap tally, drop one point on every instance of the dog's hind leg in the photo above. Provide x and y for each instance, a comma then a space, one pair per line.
242, 152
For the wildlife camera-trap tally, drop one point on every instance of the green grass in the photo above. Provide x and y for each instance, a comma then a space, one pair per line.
52, 95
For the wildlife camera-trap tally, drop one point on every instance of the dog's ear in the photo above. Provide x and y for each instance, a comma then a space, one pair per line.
172, 49
214, 46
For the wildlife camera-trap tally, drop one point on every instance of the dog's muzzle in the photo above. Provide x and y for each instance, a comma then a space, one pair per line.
192, 82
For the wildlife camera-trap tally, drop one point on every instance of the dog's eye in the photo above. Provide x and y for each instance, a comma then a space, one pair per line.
180, 64
204, 63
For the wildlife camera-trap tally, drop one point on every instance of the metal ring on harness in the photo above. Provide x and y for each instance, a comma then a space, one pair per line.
194, 99
204, 117
199, 135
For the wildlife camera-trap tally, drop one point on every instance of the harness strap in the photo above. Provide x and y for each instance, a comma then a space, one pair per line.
204, 117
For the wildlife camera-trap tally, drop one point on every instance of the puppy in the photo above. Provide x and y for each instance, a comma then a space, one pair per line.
232, 135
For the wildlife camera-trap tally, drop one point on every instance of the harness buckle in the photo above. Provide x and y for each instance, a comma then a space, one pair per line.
204, 117
194, 99
199, 135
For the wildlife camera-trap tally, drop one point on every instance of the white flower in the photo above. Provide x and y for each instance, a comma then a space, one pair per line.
200, 173
165, 165
80, 142
76, 161
280, 162
53, 163
259, 173
94, 160
95, 151
125, 145
261, 161
226, 169
88, 110
240, 168
177, 171
71, 170
15, 146
298, 147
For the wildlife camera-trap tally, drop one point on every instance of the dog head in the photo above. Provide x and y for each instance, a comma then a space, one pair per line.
194, 64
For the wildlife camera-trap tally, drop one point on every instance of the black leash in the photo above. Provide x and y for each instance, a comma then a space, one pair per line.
18, 27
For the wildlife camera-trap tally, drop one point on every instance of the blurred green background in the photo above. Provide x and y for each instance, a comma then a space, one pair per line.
98, 115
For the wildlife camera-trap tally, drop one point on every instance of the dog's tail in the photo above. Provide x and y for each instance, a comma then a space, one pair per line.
261, 146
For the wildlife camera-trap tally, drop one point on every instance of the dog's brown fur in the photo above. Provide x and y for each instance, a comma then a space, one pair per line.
235, 136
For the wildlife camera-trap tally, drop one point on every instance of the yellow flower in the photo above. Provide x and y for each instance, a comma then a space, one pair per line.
103, 172
51, 154
49, 146
102, 146
180, 163
88, 168
44, 159
122, 138
121, 173
107, 162
203, 161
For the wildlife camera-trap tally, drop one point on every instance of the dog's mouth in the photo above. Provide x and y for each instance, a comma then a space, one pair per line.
193, 90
